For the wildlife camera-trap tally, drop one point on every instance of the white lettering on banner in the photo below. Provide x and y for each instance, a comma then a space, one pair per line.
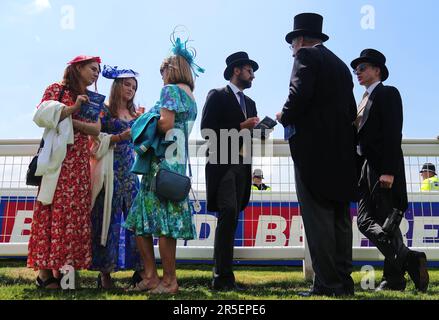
206, 221
20, 226
296, 232
423, 237
404, 227
358, 237
270, 231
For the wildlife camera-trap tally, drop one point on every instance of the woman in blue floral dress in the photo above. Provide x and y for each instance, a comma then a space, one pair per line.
120, 252
149, 215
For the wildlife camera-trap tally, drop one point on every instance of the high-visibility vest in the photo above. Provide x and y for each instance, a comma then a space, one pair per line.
430, 184
263, 187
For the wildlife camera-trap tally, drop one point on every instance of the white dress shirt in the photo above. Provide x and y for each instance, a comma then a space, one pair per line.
372, 87
235, 90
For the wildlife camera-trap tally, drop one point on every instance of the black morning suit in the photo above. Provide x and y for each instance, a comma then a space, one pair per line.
321, 106
380, 135
228, 185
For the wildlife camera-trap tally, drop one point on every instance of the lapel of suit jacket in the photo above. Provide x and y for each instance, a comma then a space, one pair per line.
234, 101
369, 106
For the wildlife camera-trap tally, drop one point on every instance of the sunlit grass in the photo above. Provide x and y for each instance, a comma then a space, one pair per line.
261, 283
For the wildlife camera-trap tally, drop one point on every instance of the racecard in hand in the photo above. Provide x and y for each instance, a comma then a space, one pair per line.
90, 111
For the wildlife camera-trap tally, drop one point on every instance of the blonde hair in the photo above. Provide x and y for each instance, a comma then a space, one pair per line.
179, 71
116, 98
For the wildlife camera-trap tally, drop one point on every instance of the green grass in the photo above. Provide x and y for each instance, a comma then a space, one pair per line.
262, 283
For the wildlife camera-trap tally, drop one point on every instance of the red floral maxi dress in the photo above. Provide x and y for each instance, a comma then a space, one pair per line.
61, 232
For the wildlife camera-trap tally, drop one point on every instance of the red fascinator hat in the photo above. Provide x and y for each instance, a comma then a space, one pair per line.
84, 58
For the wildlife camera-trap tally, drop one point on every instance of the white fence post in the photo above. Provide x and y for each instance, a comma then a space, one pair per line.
308, 271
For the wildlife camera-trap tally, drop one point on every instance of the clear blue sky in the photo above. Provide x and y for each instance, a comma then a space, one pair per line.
39, 37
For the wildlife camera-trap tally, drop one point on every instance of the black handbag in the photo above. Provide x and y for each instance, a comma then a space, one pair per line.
170, 185
31, 178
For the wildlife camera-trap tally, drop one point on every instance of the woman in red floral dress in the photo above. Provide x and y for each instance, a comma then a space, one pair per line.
61, 232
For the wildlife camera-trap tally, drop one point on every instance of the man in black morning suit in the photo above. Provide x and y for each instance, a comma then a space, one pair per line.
228, 183
319, 115
383, 183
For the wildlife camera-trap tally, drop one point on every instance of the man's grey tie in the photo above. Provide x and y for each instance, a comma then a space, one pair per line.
242, 103
361, 108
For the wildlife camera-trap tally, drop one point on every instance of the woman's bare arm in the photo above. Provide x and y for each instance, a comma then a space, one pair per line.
91, 129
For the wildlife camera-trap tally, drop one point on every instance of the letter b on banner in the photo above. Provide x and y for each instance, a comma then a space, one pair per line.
270, 231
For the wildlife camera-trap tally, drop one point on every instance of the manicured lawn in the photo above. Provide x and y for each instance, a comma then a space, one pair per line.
262, 283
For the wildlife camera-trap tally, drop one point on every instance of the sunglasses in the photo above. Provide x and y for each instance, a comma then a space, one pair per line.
361, 68
249, 70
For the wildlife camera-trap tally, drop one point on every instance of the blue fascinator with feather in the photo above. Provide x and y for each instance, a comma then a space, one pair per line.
181, 48
113, 73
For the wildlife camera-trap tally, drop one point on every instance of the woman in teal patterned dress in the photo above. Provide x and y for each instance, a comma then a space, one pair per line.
149, 216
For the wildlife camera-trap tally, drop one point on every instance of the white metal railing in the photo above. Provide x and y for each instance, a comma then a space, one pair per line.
271, 227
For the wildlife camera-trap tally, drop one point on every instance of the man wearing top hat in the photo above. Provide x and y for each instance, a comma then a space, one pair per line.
228, 183
382, 183
319, 114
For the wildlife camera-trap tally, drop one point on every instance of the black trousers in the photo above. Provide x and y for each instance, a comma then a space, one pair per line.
328, 228
230, 200
375, 206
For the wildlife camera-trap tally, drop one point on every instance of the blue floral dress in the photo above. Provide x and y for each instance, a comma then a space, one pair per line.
121, 250
150, 216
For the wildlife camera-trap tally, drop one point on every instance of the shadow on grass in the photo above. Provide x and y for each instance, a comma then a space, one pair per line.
13, 281
20, 285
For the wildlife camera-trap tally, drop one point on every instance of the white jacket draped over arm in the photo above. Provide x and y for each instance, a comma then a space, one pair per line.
57, 135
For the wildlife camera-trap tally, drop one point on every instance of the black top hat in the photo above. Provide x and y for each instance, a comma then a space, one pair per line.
375, 57
238, 59
428, 167
307, 24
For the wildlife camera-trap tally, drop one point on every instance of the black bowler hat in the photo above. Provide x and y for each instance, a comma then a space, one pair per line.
374, 57
238, 59
307, 24
428, 167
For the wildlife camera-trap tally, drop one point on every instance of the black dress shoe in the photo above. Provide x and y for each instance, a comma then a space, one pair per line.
348, 288
226, 286
41, 284
417, 270
348, 292
386, 286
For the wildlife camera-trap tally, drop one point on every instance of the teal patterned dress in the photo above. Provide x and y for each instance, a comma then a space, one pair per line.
149, 215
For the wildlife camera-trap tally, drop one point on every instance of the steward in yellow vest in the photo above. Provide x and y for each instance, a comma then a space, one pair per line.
258, 176
430, 180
